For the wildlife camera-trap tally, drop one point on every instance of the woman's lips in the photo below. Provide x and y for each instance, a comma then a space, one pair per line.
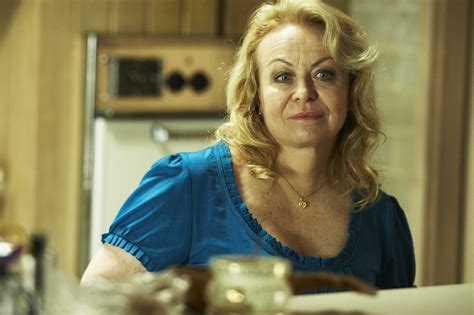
306, 116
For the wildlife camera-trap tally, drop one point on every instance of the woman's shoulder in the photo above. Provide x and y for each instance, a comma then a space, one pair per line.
198, 160
385, 209
385, 203
207, 154
398, 265
389, 213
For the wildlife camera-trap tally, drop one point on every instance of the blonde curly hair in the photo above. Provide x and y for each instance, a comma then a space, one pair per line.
348, 46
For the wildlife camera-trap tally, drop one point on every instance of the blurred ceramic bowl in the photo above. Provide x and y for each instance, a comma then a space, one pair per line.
8, 255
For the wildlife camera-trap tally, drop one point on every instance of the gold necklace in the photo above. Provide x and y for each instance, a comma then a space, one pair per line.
302, 203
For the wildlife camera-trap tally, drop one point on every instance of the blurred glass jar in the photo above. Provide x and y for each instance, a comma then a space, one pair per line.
248, 284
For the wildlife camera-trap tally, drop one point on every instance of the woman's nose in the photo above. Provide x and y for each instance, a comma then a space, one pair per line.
305, 91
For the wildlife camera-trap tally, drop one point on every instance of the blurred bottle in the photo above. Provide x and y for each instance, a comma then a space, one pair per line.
44, 264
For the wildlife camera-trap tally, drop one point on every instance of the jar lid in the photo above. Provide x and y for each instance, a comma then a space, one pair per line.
251, 265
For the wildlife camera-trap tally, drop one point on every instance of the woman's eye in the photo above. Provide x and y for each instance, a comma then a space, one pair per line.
282, 77
325, 75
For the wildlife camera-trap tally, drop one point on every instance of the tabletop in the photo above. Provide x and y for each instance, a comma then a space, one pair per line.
445, 299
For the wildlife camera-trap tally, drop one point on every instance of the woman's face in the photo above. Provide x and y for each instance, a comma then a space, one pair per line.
303, 93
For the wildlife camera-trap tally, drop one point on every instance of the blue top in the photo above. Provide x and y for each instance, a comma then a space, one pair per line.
187, 209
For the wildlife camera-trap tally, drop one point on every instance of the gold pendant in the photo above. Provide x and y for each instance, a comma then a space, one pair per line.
302, 203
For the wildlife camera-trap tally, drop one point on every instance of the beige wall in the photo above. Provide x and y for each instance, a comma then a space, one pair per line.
401, 83
421, 86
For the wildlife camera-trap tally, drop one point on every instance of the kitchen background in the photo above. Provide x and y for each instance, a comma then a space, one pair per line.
424, 85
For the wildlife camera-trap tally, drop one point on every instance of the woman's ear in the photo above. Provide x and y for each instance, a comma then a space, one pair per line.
258, 108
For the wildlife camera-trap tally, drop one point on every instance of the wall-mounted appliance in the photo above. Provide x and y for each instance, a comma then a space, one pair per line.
159, 75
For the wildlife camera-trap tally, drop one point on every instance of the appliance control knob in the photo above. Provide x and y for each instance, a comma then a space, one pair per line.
199, 82
175, 81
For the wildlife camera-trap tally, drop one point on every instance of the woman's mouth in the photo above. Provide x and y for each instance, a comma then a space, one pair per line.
306, 116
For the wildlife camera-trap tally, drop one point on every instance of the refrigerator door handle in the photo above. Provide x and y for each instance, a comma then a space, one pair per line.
160, 134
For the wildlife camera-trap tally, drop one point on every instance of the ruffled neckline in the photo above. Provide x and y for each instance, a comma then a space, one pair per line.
269, 241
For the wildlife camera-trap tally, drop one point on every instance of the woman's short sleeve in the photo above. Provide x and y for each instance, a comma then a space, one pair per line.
154, 224
398, 264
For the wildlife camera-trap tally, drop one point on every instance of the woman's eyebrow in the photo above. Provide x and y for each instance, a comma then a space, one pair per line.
320, 60
280, 60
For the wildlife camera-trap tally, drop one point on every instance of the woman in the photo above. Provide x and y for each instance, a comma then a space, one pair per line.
289, 175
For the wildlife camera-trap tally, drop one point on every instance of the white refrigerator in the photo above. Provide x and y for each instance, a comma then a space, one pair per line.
124, 149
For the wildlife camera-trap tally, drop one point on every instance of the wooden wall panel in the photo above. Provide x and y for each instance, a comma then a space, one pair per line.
74, 143
20, 103
94, 15
236, 14
4, 99
7, 9
163, 17
127, 15
7, 12
59, 139
198, 17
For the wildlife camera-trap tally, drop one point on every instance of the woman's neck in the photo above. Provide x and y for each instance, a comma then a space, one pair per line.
304, 167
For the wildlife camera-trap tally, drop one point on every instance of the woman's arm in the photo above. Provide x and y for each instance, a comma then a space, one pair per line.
111, 262
152, 230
